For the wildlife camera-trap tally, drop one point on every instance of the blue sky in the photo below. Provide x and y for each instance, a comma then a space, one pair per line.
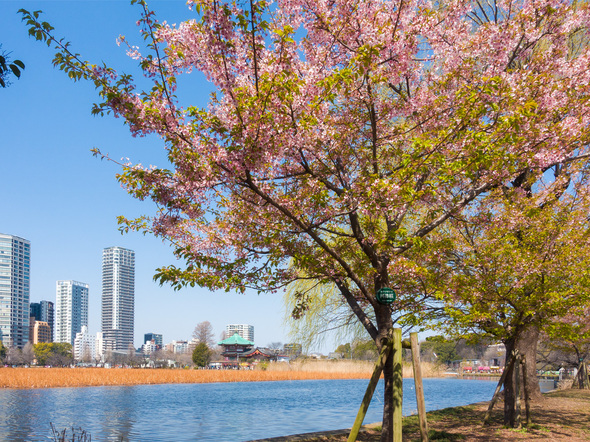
65, 201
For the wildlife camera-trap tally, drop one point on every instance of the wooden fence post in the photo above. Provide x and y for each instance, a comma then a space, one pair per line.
360, 417
527, 406
507, 368
518, 423
397, 385
419, 387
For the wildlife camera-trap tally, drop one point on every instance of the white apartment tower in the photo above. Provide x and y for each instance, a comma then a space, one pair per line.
15, 262
244, 330
71, 311
118, 297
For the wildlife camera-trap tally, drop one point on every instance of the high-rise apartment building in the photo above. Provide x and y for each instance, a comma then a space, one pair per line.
43, 311
71, 312
15, 262
244, 330
118, 297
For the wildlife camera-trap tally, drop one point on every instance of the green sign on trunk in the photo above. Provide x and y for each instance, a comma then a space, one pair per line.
385, 295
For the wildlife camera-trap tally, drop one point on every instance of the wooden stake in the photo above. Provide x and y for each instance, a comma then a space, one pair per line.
527, 405
582, 376
486, 418
419, 387
518, 423
578, 380
397, 385
360, 417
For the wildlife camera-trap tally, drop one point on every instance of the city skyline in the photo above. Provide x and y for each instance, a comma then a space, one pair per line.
71, 299
71, 329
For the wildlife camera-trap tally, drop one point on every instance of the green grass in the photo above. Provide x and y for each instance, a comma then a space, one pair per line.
411, 424
444, 436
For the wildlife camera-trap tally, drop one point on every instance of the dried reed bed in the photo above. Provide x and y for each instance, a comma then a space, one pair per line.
329, 367
87, 377
80, 377
363, 369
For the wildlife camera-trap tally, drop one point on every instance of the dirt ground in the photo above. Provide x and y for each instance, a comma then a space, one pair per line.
561, 415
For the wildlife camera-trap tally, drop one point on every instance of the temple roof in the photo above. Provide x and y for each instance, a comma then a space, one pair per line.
258, 351
236, 339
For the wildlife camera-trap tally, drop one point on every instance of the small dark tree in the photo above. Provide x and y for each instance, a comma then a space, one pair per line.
444, 350
365, 350
275, 345
53, 353
204, 333
131, 358
27, 353
201, 355
61, 354
14, 356
345, 350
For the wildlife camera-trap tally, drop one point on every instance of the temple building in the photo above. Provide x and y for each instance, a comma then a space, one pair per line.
260, 354
238, 349
235, 347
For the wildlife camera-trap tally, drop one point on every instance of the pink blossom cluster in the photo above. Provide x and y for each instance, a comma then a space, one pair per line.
340, 132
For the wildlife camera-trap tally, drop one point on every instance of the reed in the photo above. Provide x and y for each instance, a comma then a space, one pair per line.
87, 377
79, 377
363, 368
324, 366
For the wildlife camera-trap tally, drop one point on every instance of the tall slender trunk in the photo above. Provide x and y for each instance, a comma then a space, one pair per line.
525, 342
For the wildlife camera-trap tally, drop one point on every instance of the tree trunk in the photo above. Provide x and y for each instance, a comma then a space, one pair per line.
384, 324
525, 343
387, 428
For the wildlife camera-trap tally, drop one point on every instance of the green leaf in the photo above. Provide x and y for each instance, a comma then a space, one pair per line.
15, 70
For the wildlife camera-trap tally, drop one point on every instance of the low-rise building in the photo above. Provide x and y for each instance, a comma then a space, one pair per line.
87, 347
179, 347
149, 347
39, 331
156, 337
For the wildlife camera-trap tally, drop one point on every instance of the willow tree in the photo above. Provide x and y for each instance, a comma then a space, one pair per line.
341, 133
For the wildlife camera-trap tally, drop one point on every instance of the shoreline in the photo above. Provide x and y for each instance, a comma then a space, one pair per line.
561, 415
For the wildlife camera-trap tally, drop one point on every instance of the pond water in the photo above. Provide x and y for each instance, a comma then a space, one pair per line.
213, 412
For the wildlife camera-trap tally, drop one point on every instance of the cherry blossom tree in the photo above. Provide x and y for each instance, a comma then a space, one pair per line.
341, 134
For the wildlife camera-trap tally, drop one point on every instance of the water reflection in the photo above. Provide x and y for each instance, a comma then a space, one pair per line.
212, 412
